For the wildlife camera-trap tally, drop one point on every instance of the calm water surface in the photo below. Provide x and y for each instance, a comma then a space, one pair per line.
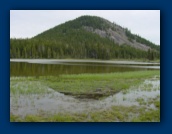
58, 68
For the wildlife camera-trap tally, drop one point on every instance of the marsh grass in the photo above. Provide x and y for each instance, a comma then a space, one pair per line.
141, 101
125, 91
114, 114
157, 104
27, 87
86, 83
80, 84
146, 87
150, 116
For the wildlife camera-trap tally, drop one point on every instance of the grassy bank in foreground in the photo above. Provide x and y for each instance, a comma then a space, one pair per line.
105, 84
87, 85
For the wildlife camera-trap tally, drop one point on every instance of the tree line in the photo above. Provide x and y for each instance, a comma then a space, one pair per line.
32, 48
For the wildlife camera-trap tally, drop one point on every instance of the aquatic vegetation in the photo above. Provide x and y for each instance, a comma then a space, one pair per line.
86, 83
141, 101
114, 114
157, 104
27, 86
89, 98
150, 116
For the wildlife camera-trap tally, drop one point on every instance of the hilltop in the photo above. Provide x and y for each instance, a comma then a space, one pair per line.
85, 37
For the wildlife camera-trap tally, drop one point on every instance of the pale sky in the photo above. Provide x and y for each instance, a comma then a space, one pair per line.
28, 23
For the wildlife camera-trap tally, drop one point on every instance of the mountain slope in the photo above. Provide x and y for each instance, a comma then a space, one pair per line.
101, 27
85, 37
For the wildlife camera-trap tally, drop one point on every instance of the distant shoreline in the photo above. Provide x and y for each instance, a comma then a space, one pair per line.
83, 61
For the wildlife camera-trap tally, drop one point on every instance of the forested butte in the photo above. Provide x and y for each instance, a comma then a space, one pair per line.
86, 37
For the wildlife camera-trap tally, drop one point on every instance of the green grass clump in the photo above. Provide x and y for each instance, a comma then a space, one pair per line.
150, 116
157, 104
141, 101
84, 83
14, 118
54, 118
27, 87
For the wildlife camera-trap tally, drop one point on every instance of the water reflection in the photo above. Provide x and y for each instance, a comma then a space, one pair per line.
37, 69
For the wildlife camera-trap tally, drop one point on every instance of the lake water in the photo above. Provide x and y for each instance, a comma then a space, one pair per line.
57, 67
51, 102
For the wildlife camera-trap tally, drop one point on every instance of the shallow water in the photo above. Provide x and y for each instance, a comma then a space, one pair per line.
44, 100
53, 102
